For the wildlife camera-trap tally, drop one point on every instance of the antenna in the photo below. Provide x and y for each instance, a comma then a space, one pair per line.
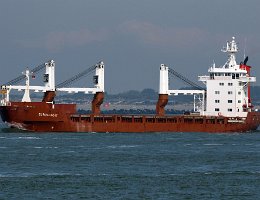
245, 48
213, 64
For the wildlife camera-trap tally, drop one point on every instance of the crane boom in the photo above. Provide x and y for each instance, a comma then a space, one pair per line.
22, 77
76, 77
184, 79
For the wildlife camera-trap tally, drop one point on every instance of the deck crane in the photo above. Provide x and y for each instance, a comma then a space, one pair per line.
164, 91
98, 89
49, 85
49, 89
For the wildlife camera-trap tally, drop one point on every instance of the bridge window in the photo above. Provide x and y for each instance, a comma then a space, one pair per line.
219, 74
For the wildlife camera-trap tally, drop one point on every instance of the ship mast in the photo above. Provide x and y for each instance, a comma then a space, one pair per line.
26, 96
231, 48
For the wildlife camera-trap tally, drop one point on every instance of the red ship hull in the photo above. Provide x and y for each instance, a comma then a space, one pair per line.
47, 117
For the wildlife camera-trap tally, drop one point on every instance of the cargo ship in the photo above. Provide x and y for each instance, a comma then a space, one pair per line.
223, 105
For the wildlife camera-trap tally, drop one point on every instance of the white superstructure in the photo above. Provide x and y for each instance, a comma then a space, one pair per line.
227, 87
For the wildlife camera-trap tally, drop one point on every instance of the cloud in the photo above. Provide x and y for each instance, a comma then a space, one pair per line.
164, 36
60, 39
57, 40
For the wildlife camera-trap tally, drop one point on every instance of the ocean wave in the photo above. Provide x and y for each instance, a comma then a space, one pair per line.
29, 175
39, 147
29, 138
24, 138
122, 146
212, 144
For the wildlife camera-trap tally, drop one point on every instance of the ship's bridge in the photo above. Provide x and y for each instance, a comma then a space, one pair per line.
236, 69
227, 74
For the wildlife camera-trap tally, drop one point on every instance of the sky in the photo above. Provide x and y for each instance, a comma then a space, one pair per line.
132, 37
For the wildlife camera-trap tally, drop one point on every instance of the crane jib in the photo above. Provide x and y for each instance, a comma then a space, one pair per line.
22, 77
76, 77
184, 79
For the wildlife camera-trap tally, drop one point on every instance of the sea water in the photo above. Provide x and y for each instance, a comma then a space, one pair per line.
129, 165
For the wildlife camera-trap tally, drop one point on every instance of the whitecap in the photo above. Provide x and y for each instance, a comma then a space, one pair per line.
122, 146
29, 138
128, 146
25, 138
68, 152
213, 144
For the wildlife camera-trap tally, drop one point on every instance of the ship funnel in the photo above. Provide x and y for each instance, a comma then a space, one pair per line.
245, 61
